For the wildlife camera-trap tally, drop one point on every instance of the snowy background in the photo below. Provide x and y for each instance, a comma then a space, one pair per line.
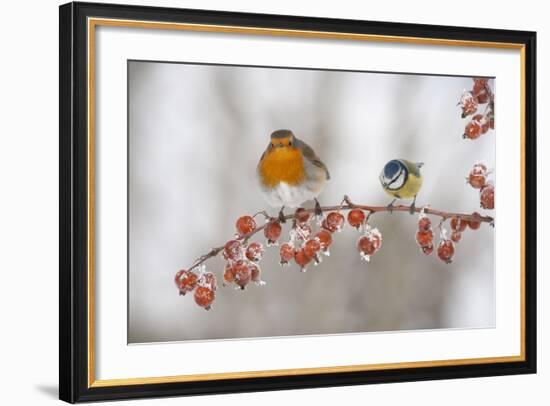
195, 136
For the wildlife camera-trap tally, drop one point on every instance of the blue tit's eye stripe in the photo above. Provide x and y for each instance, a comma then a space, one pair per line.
403, 170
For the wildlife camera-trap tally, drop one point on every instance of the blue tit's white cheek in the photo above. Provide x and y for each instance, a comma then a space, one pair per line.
399, 182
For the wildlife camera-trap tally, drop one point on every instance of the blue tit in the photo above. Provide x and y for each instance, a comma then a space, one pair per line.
401, 179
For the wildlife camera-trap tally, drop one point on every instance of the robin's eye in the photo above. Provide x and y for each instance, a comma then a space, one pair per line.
290, 143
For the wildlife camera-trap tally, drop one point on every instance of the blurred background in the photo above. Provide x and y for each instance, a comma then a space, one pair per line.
196, 133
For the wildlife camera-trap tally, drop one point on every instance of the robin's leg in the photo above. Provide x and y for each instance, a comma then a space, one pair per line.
413, 207
318, 210
282, 215
390, 206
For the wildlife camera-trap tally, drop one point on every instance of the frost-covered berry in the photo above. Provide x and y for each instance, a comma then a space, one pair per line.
243, 273
458, 224
245, 225
233, 250
369, 244
178, 276
456, 236
312, 247
301, 215
468, 103
487, 196
473, 224
286, 252
424, 224
356, 217
254, 251
302, 259
187, 281
446, 251
204, 296
327, 227
229, 273
479, 85
335, 221
477, 176
474, 128
424, 238
272, 232
325, 238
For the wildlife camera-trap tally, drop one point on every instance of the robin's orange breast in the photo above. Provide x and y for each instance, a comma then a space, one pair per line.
282, 165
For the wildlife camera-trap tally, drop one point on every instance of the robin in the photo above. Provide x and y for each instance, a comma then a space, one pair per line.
402, 179
290, 173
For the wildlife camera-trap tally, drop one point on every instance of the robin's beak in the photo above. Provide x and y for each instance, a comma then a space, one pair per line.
279, 145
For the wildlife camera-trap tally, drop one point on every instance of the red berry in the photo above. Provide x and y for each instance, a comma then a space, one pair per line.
479, 85
302, 258
472, 130
424, 237
477, 176
473, 224
335, 221
476, 181
229, 273
456, 236
369, 244
356, 218
187, 282
243, 274
178, 276
487, 197
312, 247
301, 215
468, 103
245, 225
446, 251
233, 250
287, 253
458, 224
327, 227
424, 224
427, 249
325, 238
204, 297
254, 251
272, 232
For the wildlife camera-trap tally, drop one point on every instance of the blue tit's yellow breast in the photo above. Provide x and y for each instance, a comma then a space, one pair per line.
409, 189
283, 164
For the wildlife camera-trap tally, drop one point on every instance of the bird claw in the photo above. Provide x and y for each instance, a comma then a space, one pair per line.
412, 208
390, 207
281, 217
318, 209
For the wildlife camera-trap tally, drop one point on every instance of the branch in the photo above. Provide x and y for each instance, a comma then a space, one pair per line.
347, 204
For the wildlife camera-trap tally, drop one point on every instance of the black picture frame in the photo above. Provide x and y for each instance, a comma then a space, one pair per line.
74, 199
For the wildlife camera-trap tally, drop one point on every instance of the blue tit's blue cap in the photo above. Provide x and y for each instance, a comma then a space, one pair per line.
392, 168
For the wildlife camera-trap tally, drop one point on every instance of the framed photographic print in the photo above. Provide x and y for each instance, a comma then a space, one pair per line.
258, 202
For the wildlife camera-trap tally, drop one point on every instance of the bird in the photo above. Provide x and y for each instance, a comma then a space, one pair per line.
290, 172
402, 179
